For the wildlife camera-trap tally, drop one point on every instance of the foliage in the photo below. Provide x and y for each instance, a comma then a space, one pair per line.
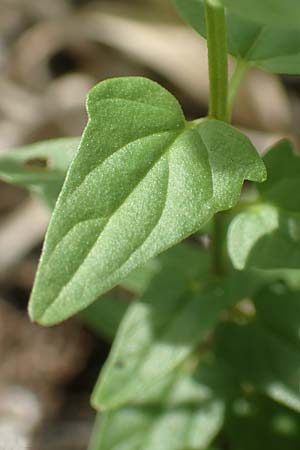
206, 341
268, 233
157, 182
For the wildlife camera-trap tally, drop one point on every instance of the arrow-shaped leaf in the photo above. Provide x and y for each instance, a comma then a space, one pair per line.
142, 180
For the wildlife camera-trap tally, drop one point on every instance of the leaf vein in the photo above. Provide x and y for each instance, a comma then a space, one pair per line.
111, 155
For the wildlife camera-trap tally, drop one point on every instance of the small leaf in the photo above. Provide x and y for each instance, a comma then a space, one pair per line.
40, 167
267, 355
157, 334
267, 235
192, 422
142, 181
269, 47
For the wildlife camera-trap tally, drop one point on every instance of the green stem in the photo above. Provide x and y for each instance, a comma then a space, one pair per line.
217, 59
235, 82
218, 98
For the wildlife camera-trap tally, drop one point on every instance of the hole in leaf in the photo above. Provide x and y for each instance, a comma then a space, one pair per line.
38, 164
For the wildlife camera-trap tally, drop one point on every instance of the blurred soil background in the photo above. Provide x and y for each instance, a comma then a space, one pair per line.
51, 53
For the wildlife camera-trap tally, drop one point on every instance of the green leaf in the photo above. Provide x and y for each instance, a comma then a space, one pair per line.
192, 12
188, 415
277, 12
266, 357
40, 167
256, 422
267, 235
156, 335
275, 50
268, 47
142, 181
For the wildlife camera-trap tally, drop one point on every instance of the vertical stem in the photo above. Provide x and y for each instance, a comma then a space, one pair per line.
217, 59
218, 98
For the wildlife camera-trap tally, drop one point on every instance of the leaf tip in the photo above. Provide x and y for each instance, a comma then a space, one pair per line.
39, 316
35, 318
96, 403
